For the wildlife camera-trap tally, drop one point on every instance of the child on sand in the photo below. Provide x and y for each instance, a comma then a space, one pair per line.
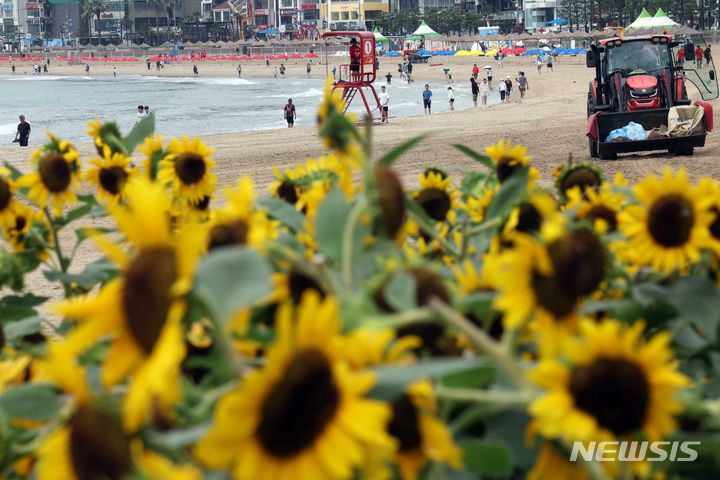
451, 98
484, 92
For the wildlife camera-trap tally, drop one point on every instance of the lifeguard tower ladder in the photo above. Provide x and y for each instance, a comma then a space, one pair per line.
353, 82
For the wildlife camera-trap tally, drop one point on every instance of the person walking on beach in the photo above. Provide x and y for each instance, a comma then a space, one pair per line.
140, 114
147, 62
489, 77
427, 99
502, 90
334, 72
484, 92
409, 73
475, 90
388, 78
522, 84
195, 70
384, 104
699, 56
114, 72
708, 55
282, 70
475, 71
23, 132
451, 98
146, 109
289, 113
12, 68
308, 68
239, 70
550, 63
508, 88
87, 69
539, 63
45, 66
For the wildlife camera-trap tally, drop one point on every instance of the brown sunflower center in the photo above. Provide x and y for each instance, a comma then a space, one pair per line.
112, 179
714, 226
299, 283
299, 407
5, 195
190, 168
671, 220
224, 235
391, 199
436, 203
404, 424
614, 391
146, 296
553, 296
583, 177
529, 218
288, 192
55, 172
578, 260
20, 223
98, 446
603, 212
505, 167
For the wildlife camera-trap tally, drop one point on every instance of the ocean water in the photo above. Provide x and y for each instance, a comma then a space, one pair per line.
185, 105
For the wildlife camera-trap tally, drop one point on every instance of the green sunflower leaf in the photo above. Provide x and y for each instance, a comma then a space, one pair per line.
478, 157
14, 172
330, 224
400, 292
489, 459
20, 328
38, 401
144, 129
510, 194
392, 380
397, 152
283, 212
232, 278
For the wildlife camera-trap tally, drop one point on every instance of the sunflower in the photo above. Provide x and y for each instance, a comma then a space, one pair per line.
22, 240
507, 158
238, 222
141, 309
600, 207
543, 285
475, 206
538, 214
421, 436
436, 196
105, 134
552, 464
364, 348
56, 175
670, 226
9, 206
337, 128
303, 414
110, 175
608, 384
472, 279
579, 175
187, 167
154, 151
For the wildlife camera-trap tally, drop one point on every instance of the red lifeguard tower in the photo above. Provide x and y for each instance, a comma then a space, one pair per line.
356, 77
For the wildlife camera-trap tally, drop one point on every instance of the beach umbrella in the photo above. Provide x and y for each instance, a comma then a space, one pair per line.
487, 67
546, 49
244, 57
295, 55
257, 57
424, 53
558, 21
311, 55
392, 54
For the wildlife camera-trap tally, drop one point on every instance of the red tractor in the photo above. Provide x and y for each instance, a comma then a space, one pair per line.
638, 79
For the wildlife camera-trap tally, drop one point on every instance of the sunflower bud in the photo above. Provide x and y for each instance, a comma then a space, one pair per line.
583, 176
579, 261
98, 446
392, 200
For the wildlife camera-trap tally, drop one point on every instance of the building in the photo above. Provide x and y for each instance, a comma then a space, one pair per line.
152, 21
111, 21
354, 14
539, 12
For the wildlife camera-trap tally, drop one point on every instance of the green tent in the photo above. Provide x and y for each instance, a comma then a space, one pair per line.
662, 20
423, 31
379, 37
643, 21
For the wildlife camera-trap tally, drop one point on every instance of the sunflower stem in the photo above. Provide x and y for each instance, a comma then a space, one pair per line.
348, 244
483, 227
482, 340
596, 471
498, 398
56, 241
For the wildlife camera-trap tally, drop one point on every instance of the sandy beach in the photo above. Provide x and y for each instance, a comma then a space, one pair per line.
550, 121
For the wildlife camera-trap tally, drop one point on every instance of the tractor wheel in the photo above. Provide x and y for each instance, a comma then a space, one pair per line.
590, 105
593, 146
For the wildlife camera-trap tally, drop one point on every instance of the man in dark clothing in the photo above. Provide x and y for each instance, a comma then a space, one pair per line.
289, 113
708, 55
354, 60
23, 132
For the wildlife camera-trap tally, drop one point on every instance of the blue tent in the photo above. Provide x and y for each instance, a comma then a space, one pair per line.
393, 54
558, 21
269, 31
30, 39
424, 53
